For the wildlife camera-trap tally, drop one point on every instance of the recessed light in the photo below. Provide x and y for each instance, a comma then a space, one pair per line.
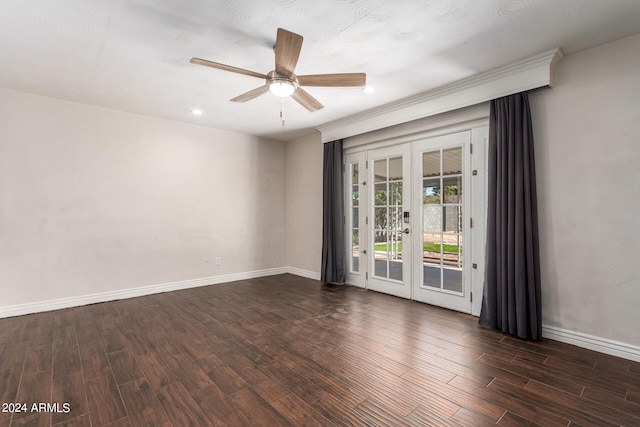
369, 89
196, 112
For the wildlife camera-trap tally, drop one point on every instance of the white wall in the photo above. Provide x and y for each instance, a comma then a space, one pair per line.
94, 200
304, 205
587, 141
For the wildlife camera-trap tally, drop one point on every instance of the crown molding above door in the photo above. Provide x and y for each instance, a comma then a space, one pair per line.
531, 73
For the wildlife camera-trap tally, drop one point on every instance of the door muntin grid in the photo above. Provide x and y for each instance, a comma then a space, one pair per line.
442, 216
354, 265
387, 218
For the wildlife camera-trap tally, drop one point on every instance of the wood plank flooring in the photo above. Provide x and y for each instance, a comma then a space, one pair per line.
284, 351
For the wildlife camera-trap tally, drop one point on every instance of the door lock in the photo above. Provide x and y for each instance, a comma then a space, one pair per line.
405, 231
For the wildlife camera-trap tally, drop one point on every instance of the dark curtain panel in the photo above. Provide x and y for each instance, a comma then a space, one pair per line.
511, 300
332, 269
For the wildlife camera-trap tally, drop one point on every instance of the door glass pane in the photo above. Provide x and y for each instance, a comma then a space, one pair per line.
395, 168
393, 219
431, 191
354, 218
395, 256
395, 193
431, 276
432, 219
380, 239
452, 279
432, 269
380, 195
394, 246
381, 265
452, 249
452, 221
380, 223
432, 248
452, 189
380, 170
452, 161
431, 164
381, 249
355, 251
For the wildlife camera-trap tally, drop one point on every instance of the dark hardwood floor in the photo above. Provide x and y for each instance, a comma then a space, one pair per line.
284, 351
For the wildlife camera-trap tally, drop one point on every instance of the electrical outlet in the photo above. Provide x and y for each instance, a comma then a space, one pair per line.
218, 260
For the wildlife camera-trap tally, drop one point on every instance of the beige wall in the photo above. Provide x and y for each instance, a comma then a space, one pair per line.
94, 200
587, 136
304, 203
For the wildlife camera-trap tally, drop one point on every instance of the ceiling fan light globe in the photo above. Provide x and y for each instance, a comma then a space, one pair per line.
282, 88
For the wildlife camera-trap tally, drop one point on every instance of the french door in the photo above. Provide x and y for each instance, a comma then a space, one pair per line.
389, 240
378, 197
356, 203
441, 275
415, 219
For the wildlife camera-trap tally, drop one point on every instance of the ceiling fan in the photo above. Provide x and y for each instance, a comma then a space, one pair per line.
282, 81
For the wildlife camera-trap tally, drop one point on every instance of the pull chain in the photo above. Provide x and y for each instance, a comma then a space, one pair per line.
282, 112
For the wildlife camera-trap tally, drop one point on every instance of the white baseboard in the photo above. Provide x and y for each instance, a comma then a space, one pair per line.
602, 345
303, 273
60, 303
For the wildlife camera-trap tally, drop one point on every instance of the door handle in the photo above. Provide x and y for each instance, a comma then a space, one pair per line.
405, 231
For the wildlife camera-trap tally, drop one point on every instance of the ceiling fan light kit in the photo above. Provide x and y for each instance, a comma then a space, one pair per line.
281, 85
282, 81
282, 89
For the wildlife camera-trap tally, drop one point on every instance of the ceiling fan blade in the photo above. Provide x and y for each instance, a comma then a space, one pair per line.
251, 94
227, 68
288, 46
306, 100
333, 80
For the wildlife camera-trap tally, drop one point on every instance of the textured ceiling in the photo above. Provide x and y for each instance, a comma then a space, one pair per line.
133, 55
